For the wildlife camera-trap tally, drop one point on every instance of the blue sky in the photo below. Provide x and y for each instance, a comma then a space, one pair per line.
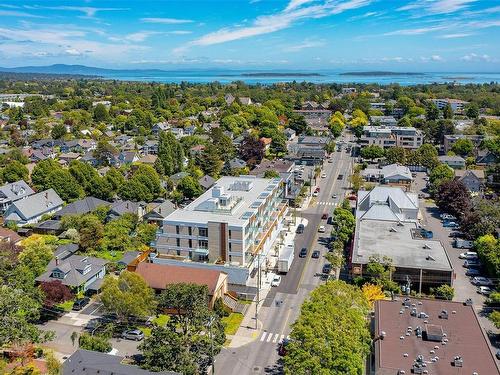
404, 35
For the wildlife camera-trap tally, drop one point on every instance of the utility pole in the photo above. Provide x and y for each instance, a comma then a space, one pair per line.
211, 321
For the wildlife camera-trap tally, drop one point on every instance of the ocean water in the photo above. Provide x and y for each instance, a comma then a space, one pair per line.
206, 76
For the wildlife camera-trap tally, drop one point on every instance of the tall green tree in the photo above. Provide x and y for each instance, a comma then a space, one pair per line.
64, 185
39, 176
14, 171
170, 154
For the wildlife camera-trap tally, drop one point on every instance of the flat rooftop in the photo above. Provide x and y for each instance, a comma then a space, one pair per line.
393, 239
464, 338
244, 199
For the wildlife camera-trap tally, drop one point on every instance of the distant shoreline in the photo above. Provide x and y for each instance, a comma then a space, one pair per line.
280, 74
381, 74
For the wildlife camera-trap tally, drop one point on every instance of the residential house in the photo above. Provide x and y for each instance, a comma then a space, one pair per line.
189, 130
127, 258
43, 143
348, 90
473, 179
78, 145
127, 157
175, 178
389, 174
150, 147
313, 141
196, 150
9, 236
89, 158
87, 362
158, 211
158, 276
31, 209
49, 226
236, 163
81, 207
450, 139
13, 192
289, 134
68, 157
160, 127
78, 272
485, 158
266, 142
148, 159
119, 208
245, 100
206, 182
229, 99
453, 161
178, 132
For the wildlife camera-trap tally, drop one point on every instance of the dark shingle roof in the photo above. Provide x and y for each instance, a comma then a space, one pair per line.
82, 206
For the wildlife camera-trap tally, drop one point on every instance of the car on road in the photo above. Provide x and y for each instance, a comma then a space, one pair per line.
80, 303
468, 255
334, 196
497, 354
340, 177
323, 175
303, 252
321, 229
330, 160
481, 281
324, 216
447, 217
455, 234
426, 178
450, 224
315, 254
300, 229
484, 290
315, 194
133, 334
471, 272
276, 280
327, 268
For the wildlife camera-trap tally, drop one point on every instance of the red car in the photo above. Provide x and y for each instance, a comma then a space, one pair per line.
282, 347
317, 189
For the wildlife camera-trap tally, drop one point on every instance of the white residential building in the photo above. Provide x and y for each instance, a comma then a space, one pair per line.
230, 224
391, 136
455, 104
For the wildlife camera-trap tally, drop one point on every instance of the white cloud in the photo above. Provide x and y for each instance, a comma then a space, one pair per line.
293, 4
417, 31
473, 57
366, 15
73, 52
140, 36
305, 44
433, 58
278, 21
88, 11
14, 13
166, 21
455, 35
437, 7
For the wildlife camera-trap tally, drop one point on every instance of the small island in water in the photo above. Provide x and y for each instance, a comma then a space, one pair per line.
381, 74
280, 74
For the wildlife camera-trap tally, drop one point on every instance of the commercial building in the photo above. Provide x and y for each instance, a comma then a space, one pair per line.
421, 336
389, 174
455, 104
391, 136
227, 226
387, 226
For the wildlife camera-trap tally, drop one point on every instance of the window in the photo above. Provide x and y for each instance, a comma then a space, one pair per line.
190, 243
178, 241
190, 231
229, 233
178, 252
203, 244
203, 232
58, 275
230, 246
230, 258
177, 229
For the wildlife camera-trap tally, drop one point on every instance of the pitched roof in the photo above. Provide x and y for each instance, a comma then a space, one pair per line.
478, 173
207, 181
83, 206
160, 275
9, 234
160, 210
86, 362
14, 191
34, 205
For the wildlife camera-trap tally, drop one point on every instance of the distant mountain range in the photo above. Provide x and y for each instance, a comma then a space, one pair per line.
74, 69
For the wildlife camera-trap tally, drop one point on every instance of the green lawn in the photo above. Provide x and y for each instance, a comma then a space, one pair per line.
112, 256
67, 306
232, 322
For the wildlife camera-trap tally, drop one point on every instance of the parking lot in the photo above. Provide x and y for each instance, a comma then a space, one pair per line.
464, 289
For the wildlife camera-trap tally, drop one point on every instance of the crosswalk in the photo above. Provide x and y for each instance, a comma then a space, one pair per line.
327, 203
272, 337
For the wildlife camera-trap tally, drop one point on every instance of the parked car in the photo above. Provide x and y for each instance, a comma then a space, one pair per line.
340, 177
472, 272
334, 196
315, 194
468, 255
482, 281
455, 234
323, 175
303, 252
317, 190
300, 229
315, 254
80, 303
133, 334
472, 263
276, 280
448, 217
321, 229
484, 290
450, 224
327, 268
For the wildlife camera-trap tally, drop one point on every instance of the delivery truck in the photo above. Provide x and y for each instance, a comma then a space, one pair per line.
286, 258
463, 244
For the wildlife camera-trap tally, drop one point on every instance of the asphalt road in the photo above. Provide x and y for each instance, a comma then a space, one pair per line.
282, 305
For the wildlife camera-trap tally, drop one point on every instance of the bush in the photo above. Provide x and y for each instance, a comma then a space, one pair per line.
443, 292
96, 343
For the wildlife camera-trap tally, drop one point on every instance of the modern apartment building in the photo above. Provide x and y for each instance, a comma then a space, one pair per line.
232, 222
450, 139
391, 136
455, 104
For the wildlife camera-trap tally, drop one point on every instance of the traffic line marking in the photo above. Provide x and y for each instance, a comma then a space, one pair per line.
263, 336
276, 337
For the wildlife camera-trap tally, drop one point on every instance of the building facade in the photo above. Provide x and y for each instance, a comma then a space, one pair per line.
232, 222
391, 136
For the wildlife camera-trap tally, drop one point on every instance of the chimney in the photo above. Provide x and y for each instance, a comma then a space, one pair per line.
57, 260
159, 210
46, 195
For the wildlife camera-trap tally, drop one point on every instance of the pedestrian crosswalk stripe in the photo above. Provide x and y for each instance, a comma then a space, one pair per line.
276, 337
263, 336
269, 337
272, 337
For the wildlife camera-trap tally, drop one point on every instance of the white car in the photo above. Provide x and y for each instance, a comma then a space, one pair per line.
276, 280
468, 255
315, 194
321, 229
484, 290
323, 175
